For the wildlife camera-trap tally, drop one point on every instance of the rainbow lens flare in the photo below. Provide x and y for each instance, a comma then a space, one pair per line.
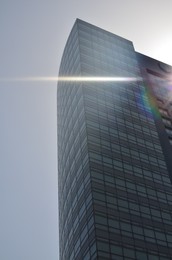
147, 101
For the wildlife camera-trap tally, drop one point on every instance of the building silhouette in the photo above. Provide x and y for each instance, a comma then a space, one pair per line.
114, 150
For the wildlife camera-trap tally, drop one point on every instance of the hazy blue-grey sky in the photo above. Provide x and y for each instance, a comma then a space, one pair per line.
33, 34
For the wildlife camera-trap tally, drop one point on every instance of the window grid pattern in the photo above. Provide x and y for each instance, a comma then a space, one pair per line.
115, 194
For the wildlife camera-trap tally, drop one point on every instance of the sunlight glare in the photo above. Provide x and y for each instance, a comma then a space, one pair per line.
74, 79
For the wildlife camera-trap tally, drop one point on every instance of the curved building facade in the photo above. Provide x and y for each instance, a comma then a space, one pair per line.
114, 151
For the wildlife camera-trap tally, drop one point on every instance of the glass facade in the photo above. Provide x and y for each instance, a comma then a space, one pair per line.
115, 194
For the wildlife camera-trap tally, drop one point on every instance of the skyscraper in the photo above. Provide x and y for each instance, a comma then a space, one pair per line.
114, 150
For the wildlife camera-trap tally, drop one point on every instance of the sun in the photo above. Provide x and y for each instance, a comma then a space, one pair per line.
163, 50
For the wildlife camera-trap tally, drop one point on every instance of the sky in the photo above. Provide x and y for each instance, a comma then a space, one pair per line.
33, 35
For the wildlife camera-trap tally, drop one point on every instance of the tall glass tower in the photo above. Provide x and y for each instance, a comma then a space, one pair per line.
114, 150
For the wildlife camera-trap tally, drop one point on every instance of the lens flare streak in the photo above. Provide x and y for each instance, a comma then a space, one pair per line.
73, 79
98, 79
